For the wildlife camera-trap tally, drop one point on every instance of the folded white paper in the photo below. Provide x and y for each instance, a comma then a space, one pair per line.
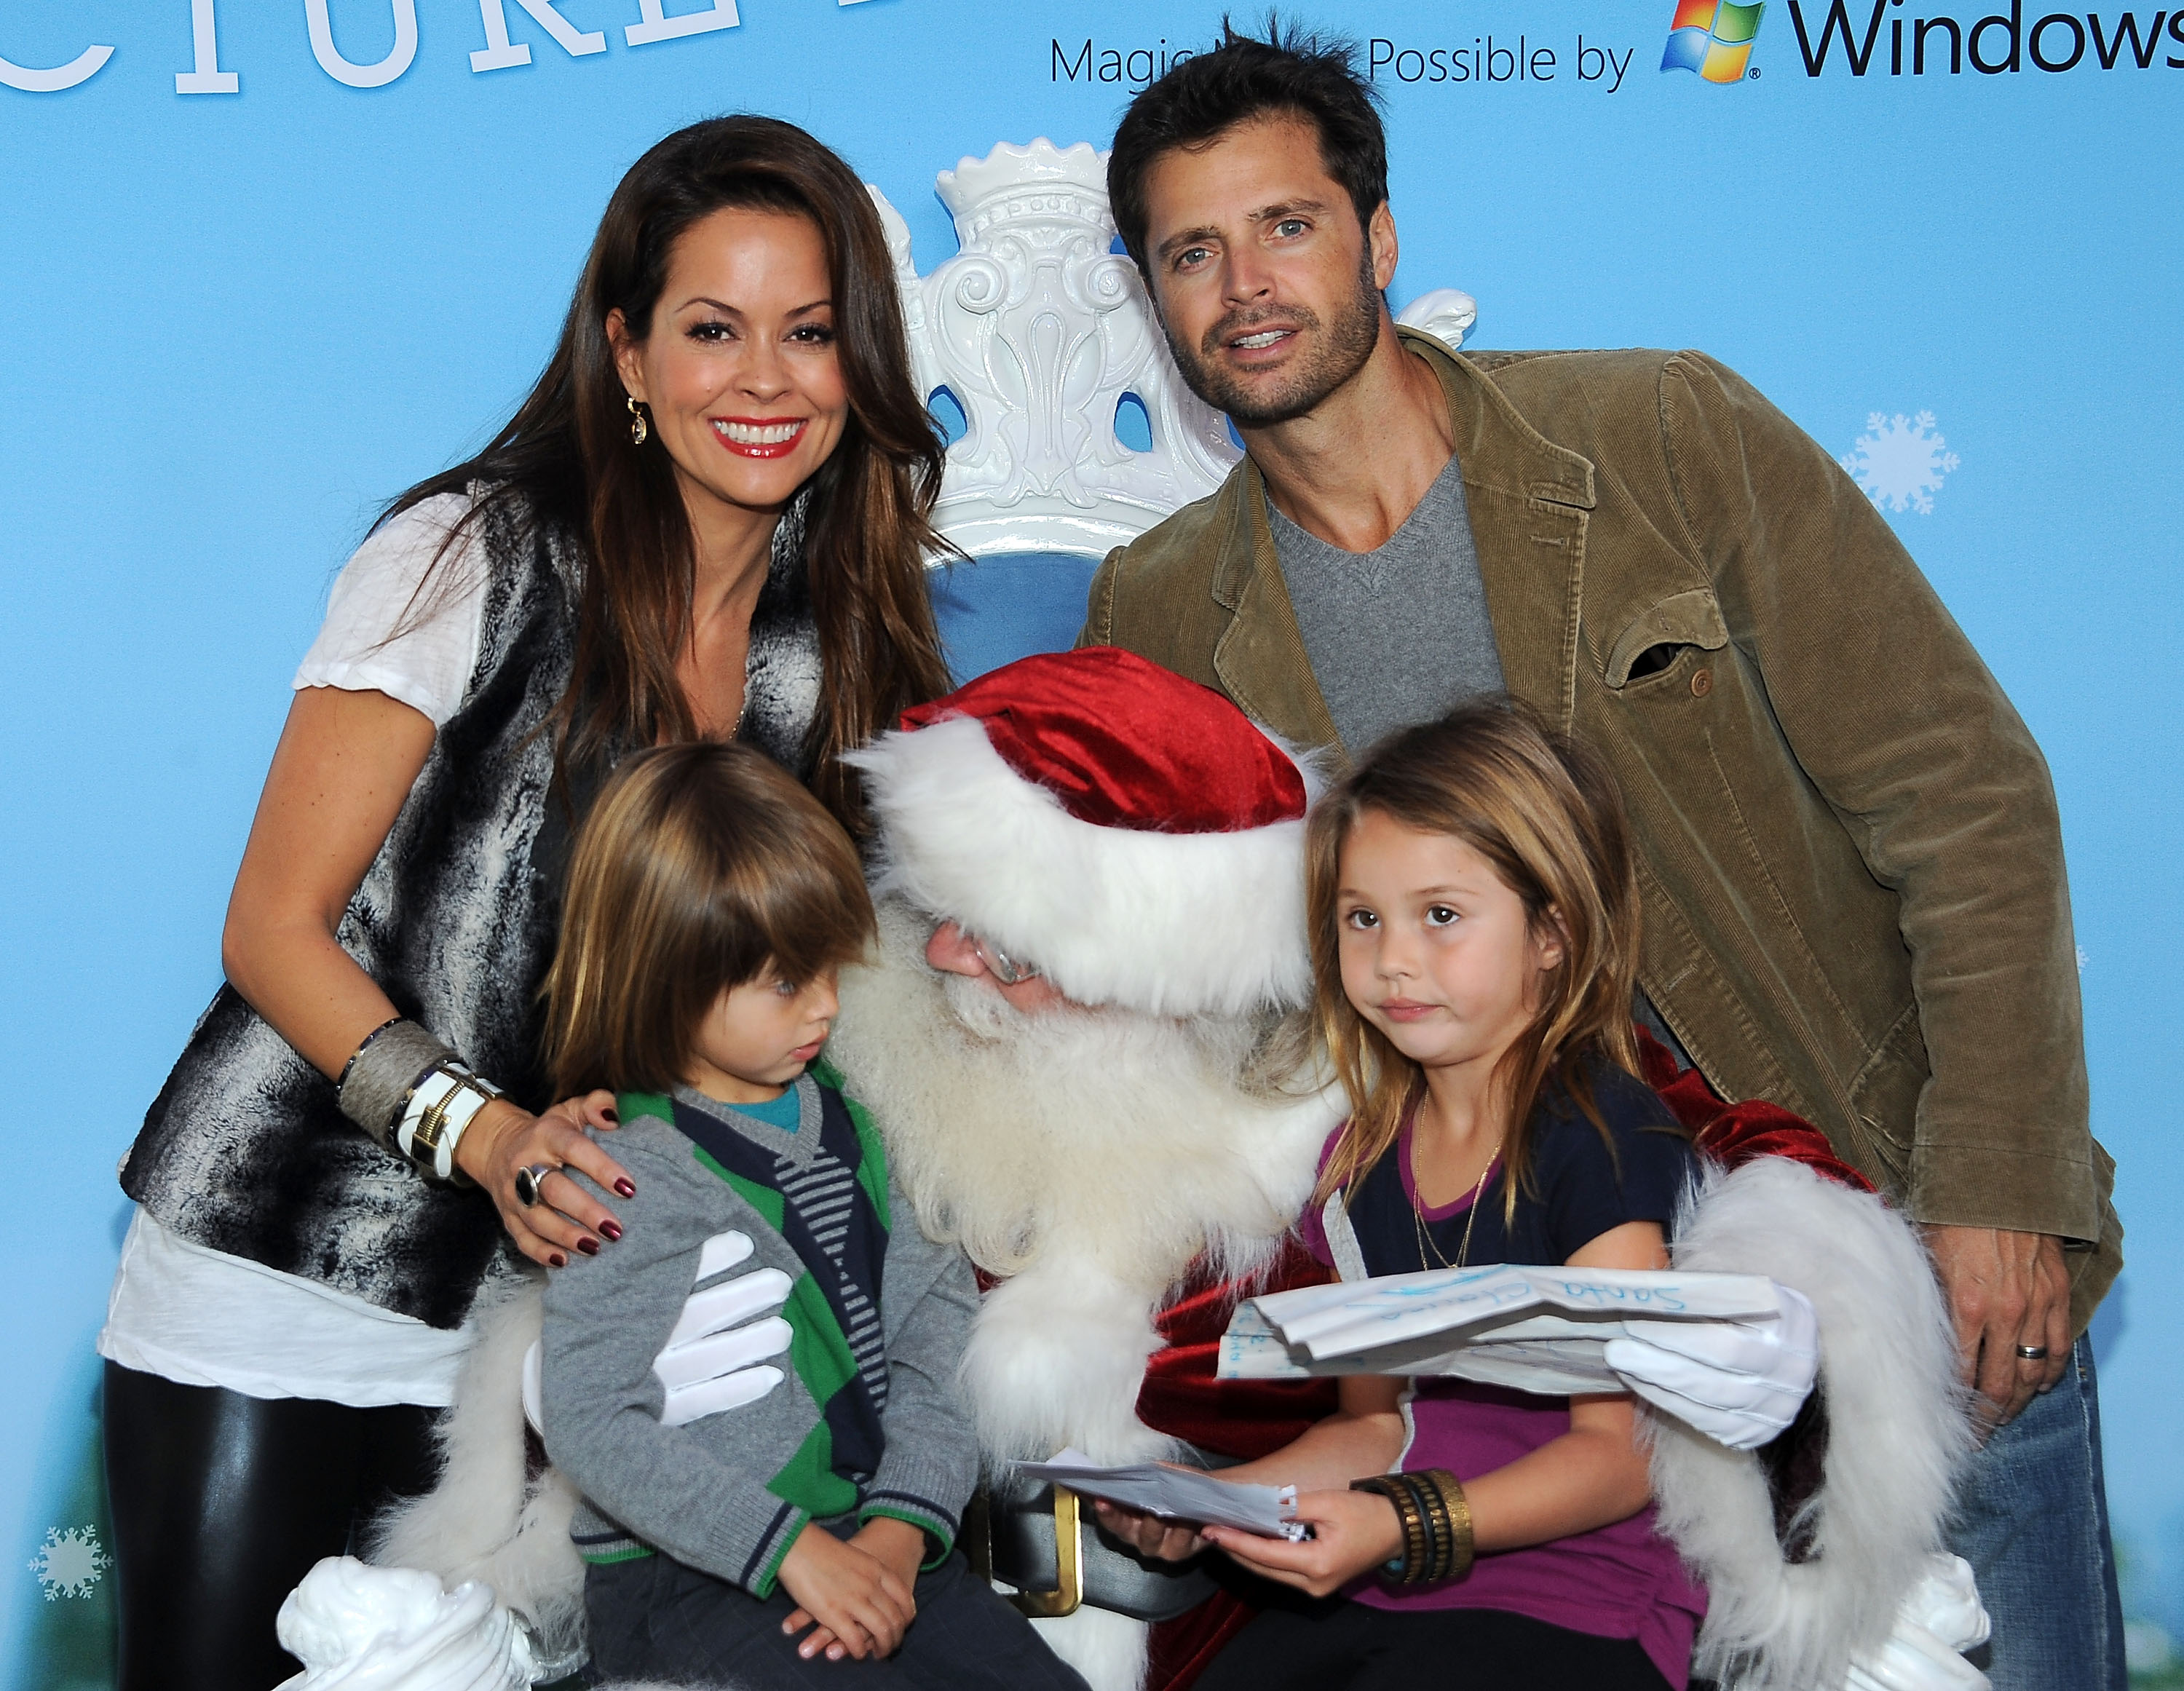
1541, 1330
1177, 1493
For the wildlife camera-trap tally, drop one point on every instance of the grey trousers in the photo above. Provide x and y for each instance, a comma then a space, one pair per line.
654, 1618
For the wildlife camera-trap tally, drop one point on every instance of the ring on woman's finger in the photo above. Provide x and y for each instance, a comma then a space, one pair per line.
2033, 1353
528, 1181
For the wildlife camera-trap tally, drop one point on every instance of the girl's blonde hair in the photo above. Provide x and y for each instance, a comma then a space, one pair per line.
1544, 812
700, 865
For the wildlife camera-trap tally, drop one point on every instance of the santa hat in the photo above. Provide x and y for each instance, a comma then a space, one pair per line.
1131, 834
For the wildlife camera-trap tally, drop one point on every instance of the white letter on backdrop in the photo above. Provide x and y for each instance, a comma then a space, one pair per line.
659, 26
501, 53
83, 68
207, 77
362, 75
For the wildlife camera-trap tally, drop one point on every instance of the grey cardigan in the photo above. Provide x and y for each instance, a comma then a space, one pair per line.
729, 1493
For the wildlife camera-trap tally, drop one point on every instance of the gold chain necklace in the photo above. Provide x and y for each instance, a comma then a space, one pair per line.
1463, 1248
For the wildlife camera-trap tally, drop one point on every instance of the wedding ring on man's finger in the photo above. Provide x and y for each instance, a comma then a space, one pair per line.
528, 1181
2033, 1353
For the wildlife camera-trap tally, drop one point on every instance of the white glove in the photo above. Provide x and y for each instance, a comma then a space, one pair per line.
714, 1357
1739, 1382
1941, 1618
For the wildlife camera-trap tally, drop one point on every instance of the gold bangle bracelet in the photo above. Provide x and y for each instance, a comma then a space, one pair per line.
1458, 1508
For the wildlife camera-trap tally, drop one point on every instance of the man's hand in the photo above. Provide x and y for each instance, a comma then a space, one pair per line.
856, 1592
2005, 1290
1149, 1535
1354, 1532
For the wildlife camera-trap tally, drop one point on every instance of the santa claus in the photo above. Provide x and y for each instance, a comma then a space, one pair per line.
1080, 1034
1083, 1039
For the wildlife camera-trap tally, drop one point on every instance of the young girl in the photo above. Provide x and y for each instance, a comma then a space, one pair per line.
1473, 912
813, 1515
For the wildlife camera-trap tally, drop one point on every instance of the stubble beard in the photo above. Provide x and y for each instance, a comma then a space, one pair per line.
1339, 354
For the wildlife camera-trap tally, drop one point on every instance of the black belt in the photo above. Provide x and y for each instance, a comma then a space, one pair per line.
1035, 1538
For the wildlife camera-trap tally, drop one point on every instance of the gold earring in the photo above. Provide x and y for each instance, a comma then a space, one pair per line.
638, 428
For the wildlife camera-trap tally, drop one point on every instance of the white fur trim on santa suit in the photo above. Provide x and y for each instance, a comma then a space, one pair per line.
486, 1520
1897, 1428
1109, 1650
1171, 923
1092, 1172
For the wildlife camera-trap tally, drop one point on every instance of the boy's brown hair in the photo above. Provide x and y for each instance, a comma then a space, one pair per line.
700, 866
1544, 812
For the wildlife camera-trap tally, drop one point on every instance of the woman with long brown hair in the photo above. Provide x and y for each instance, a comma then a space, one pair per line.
707, 520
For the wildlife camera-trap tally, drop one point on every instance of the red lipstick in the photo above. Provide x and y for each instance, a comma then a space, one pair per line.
759, 437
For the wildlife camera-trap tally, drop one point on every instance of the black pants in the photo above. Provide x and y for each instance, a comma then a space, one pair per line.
222, 1504
654, 1617
1343, 1646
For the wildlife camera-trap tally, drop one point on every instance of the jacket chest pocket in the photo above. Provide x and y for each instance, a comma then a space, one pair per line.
1659, 637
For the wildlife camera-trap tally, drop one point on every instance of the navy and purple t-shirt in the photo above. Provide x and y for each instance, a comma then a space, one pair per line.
1618, 1581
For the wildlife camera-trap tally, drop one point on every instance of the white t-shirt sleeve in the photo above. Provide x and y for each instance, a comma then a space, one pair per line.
379, 634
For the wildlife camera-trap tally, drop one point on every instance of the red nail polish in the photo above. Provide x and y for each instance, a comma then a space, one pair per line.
589, 1247
624, 1187
612, 1115
558, 1260
611, 1229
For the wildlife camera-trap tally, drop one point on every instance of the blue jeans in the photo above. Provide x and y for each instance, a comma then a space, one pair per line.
2032, 1519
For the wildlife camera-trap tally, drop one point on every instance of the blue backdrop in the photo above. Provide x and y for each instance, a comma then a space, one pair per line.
236, 321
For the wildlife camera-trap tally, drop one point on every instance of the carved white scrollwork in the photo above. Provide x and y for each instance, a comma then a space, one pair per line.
1039, 331
1445, 313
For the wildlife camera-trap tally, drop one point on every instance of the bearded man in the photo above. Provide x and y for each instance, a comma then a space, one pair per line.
1091, 926
1855, 903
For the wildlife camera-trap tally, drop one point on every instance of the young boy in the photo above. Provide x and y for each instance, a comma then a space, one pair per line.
806, 1513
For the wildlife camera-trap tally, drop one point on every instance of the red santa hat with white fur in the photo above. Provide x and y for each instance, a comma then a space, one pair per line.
1132, 834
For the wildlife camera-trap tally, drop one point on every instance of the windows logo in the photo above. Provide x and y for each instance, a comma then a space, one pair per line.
1712, 37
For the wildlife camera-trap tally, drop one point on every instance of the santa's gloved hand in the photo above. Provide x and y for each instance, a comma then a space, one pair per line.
1739, 1382
1940, 1620
715, 1357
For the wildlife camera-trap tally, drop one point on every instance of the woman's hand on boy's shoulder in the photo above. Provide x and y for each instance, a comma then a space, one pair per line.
505, 1139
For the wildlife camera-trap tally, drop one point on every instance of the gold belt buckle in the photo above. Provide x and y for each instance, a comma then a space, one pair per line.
1068, 1592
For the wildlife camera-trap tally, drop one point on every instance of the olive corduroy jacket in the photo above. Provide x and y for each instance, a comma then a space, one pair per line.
1850, 860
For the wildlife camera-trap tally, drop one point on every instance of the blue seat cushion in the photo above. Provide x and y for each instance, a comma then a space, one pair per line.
995, 610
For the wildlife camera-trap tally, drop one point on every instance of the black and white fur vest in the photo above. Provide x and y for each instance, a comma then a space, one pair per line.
245, 1150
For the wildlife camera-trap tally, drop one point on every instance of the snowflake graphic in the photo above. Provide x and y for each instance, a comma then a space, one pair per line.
69, 1563
1900, 461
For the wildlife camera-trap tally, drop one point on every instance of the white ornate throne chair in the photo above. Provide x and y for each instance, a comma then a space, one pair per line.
1071, 430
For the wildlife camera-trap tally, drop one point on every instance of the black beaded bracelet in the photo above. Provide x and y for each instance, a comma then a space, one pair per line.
1436, 1523
1411, 1514
1439, 1531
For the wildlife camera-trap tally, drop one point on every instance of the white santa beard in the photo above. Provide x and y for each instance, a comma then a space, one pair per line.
1088, 1155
